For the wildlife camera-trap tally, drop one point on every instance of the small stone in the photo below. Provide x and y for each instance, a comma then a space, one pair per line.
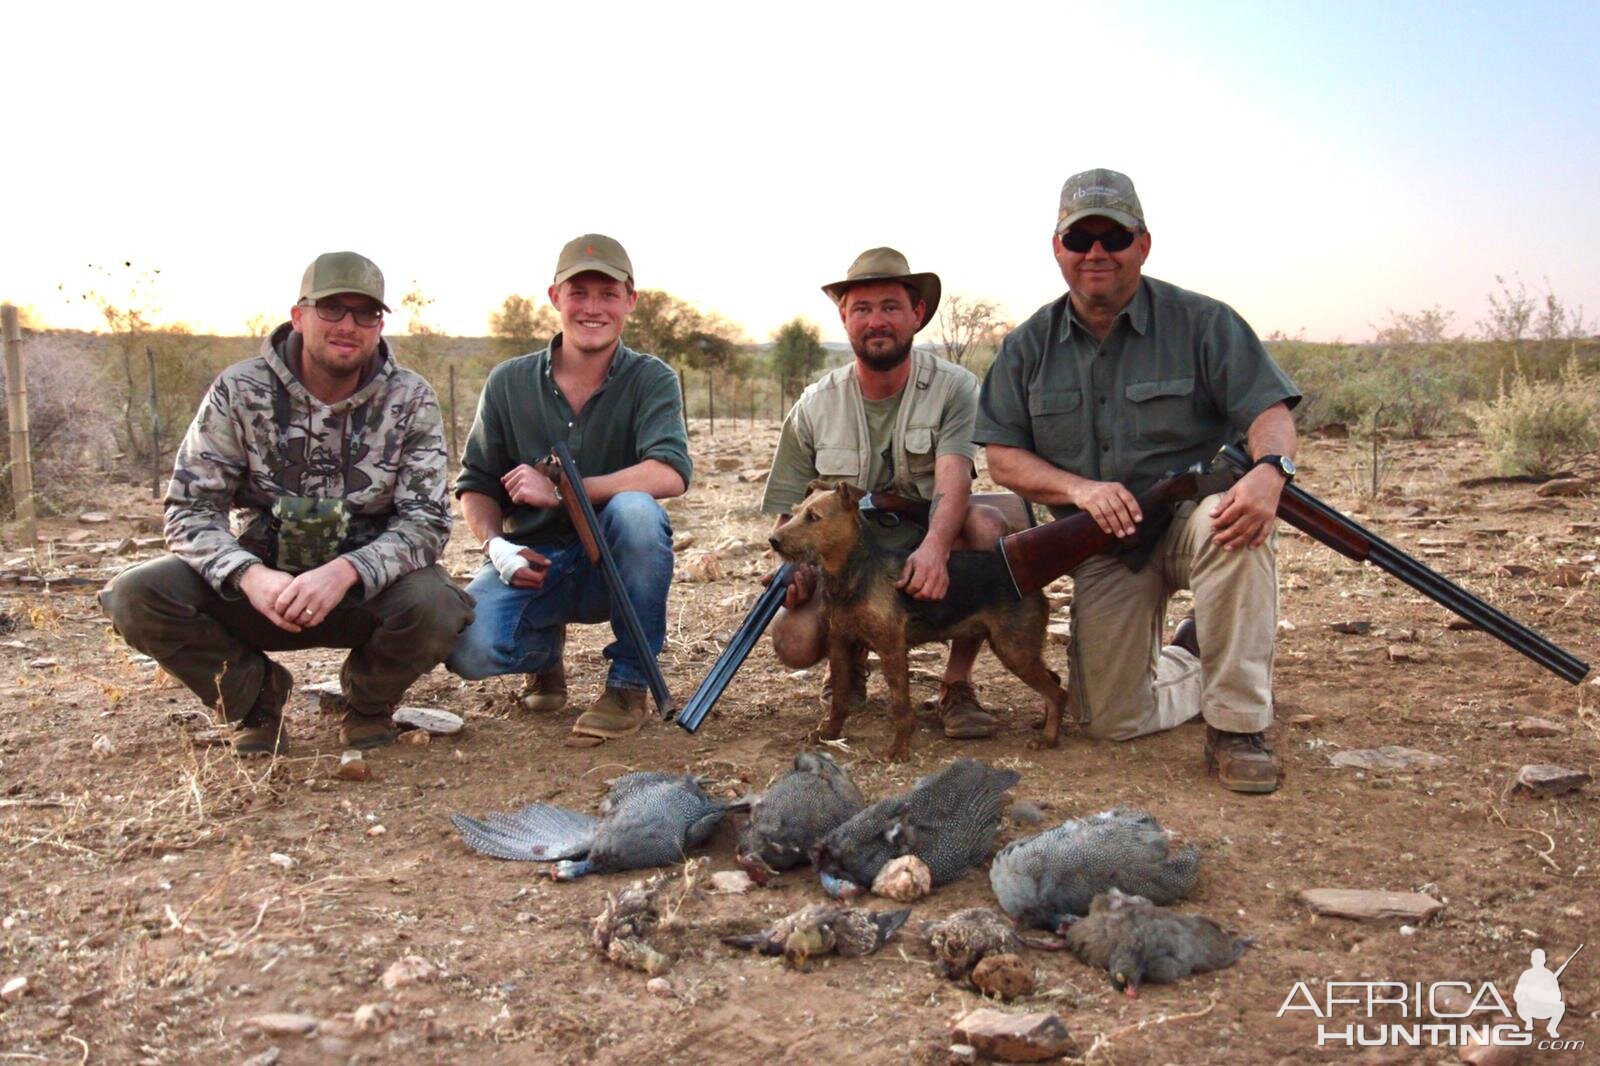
1015, 1037
103, 747
376, 831
1513, 570
285, 1024
414, 738
731, 882
702, 566
750, 477
352, 767
1005, 976
659, 986
903, 880
682, 541
1304, 721
1060, 632
410, 970
963, 1053
1391, 758
13, 989
1355, 627
281, 861
429, 720
1367, 905
41, 664
268, 1057
1561, 486
94, 518
1568, 576
1406, 653
1546, 779
373, 1017
1537, 727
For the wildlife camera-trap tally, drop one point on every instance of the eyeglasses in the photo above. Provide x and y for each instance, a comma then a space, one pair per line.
331, 310
1080, 241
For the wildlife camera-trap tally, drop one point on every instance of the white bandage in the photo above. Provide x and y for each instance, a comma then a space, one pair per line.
506, 557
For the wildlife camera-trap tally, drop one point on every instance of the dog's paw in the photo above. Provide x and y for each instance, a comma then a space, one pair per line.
1041, 743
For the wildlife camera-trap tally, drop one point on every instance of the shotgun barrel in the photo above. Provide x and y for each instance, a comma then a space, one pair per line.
738, 648
1349, 538
581, 512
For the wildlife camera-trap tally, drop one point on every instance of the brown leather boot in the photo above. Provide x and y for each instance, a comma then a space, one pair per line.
260, 731
359, 730
1242, 761
963, 716
545, 692
619, 712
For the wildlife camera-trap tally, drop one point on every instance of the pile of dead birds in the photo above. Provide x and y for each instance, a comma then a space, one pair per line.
1099, 886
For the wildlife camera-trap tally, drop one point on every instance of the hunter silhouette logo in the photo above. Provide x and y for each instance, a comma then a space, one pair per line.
1538, 992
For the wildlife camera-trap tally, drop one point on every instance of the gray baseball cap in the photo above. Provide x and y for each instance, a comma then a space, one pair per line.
334, 272
1099, 192
594, 251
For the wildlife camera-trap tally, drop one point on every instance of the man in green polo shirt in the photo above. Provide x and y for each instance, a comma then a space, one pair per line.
1120, 381
621, 413
893, 420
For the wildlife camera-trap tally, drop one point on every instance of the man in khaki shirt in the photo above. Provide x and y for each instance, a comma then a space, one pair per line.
899, 421
1099, 394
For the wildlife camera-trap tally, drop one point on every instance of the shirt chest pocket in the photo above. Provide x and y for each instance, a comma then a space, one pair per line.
920, 450
1057, 421
839, 464
1163, 411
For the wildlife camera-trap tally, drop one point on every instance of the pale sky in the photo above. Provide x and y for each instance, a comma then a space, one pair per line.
1311, 164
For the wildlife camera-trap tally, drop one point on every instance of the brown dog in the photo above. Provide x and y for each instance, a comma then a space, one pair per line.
864, 607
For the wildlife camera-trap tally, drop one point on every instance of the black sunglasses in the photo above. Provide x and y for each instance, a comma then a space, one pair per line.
331, 310
1080, 241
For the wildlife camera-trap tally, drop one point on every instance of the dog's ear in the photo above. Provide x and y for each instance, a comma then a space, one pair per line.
819, 484
849, 495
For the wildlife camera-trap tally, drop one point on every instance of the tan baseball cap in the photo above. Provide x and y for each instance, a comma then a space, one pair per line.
1099, 192
594, 251
332, 273
886, 264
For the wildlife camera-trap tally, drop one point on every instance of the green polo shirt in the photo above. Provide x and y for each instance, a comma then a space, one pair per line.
636, 414
1178, 376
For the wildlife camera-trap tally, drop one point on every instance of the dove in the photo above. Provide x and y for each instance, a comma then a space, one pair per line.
966, 937
821, 929
948, 820
1135, 941
1047, 879
647, 819
801, 807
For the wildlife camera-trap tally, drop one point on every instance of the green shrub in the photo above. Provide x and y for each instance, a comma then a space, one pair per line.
1538, 427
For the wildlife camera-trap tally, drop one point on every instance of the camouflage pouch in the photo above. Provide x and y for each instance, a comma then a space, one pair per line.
310, 531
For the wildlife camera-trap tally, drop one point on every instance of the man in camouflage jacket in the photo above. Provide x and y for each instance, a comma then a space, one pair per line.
332, 459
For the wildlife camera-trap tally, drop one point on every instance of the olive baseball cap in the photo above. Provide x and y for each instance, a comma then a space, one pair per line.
594, 251
332, 273
886, 264
1099, 192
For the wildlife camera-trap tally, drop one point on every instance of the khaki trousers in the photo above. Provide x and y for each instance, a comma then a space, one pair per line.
1126, 684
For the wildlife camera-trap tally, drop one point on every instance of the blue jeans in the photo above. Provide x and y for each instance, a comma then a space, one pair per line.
517, 631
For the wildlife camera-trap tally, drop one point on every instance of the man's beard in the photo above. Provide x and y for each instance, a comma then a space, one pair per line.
883, 363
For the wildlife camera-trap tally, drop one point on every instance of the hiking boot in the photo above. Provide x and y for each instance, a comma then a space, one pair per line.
359, 730
1184, 637
963, 717
545, 692
260, 731
619, 712
858, 680
1242, 761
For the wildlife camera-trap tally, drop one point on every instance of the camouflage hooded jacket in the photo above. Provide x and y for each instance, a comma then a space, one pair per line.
235, 458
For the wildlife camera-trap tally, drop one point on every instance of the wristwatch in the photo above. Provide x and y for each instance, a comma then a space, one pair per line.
1281, 463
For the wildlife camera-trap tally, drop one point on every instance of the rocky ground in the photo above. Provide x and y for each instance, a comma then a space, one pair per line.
163, 902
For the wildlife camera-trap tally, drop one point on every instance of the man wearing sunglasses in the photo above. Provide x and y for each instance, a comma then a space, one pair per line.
335, 457
1104, 391
621, 414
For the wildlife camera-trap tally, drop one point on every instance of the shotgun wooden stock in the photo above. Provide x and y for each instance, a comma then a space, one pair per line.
1035, 557
1322, 523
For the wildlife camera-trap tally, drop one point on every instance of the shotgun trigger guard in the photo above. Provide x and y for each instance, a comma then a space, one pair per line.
877, 515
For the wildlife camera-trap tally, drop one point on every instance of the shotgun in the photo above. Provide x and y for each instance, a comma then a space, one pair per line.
1322, 523
1017, 511
1035, 557
569, 487
739, 646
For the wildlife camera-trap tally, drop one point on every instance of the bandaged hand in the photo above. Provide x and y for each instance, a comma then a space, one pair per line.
507, 558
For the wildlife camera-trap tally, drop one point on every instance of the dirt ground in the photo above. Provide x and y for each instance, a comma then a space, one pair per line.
158, 895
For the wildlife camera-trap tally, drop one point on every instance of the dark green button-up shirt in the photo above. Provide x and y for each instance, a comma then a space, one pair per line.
1178, 376
635, 414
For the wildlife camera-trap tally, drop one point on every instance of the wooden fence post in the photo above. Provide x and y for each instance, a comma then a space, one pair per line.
17, 413
155, 428
455, 453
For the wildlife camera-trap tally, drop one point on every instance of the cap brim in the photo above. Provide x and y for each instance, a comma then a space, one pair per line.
336, 291
586, 266
927, 285
1120, 217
